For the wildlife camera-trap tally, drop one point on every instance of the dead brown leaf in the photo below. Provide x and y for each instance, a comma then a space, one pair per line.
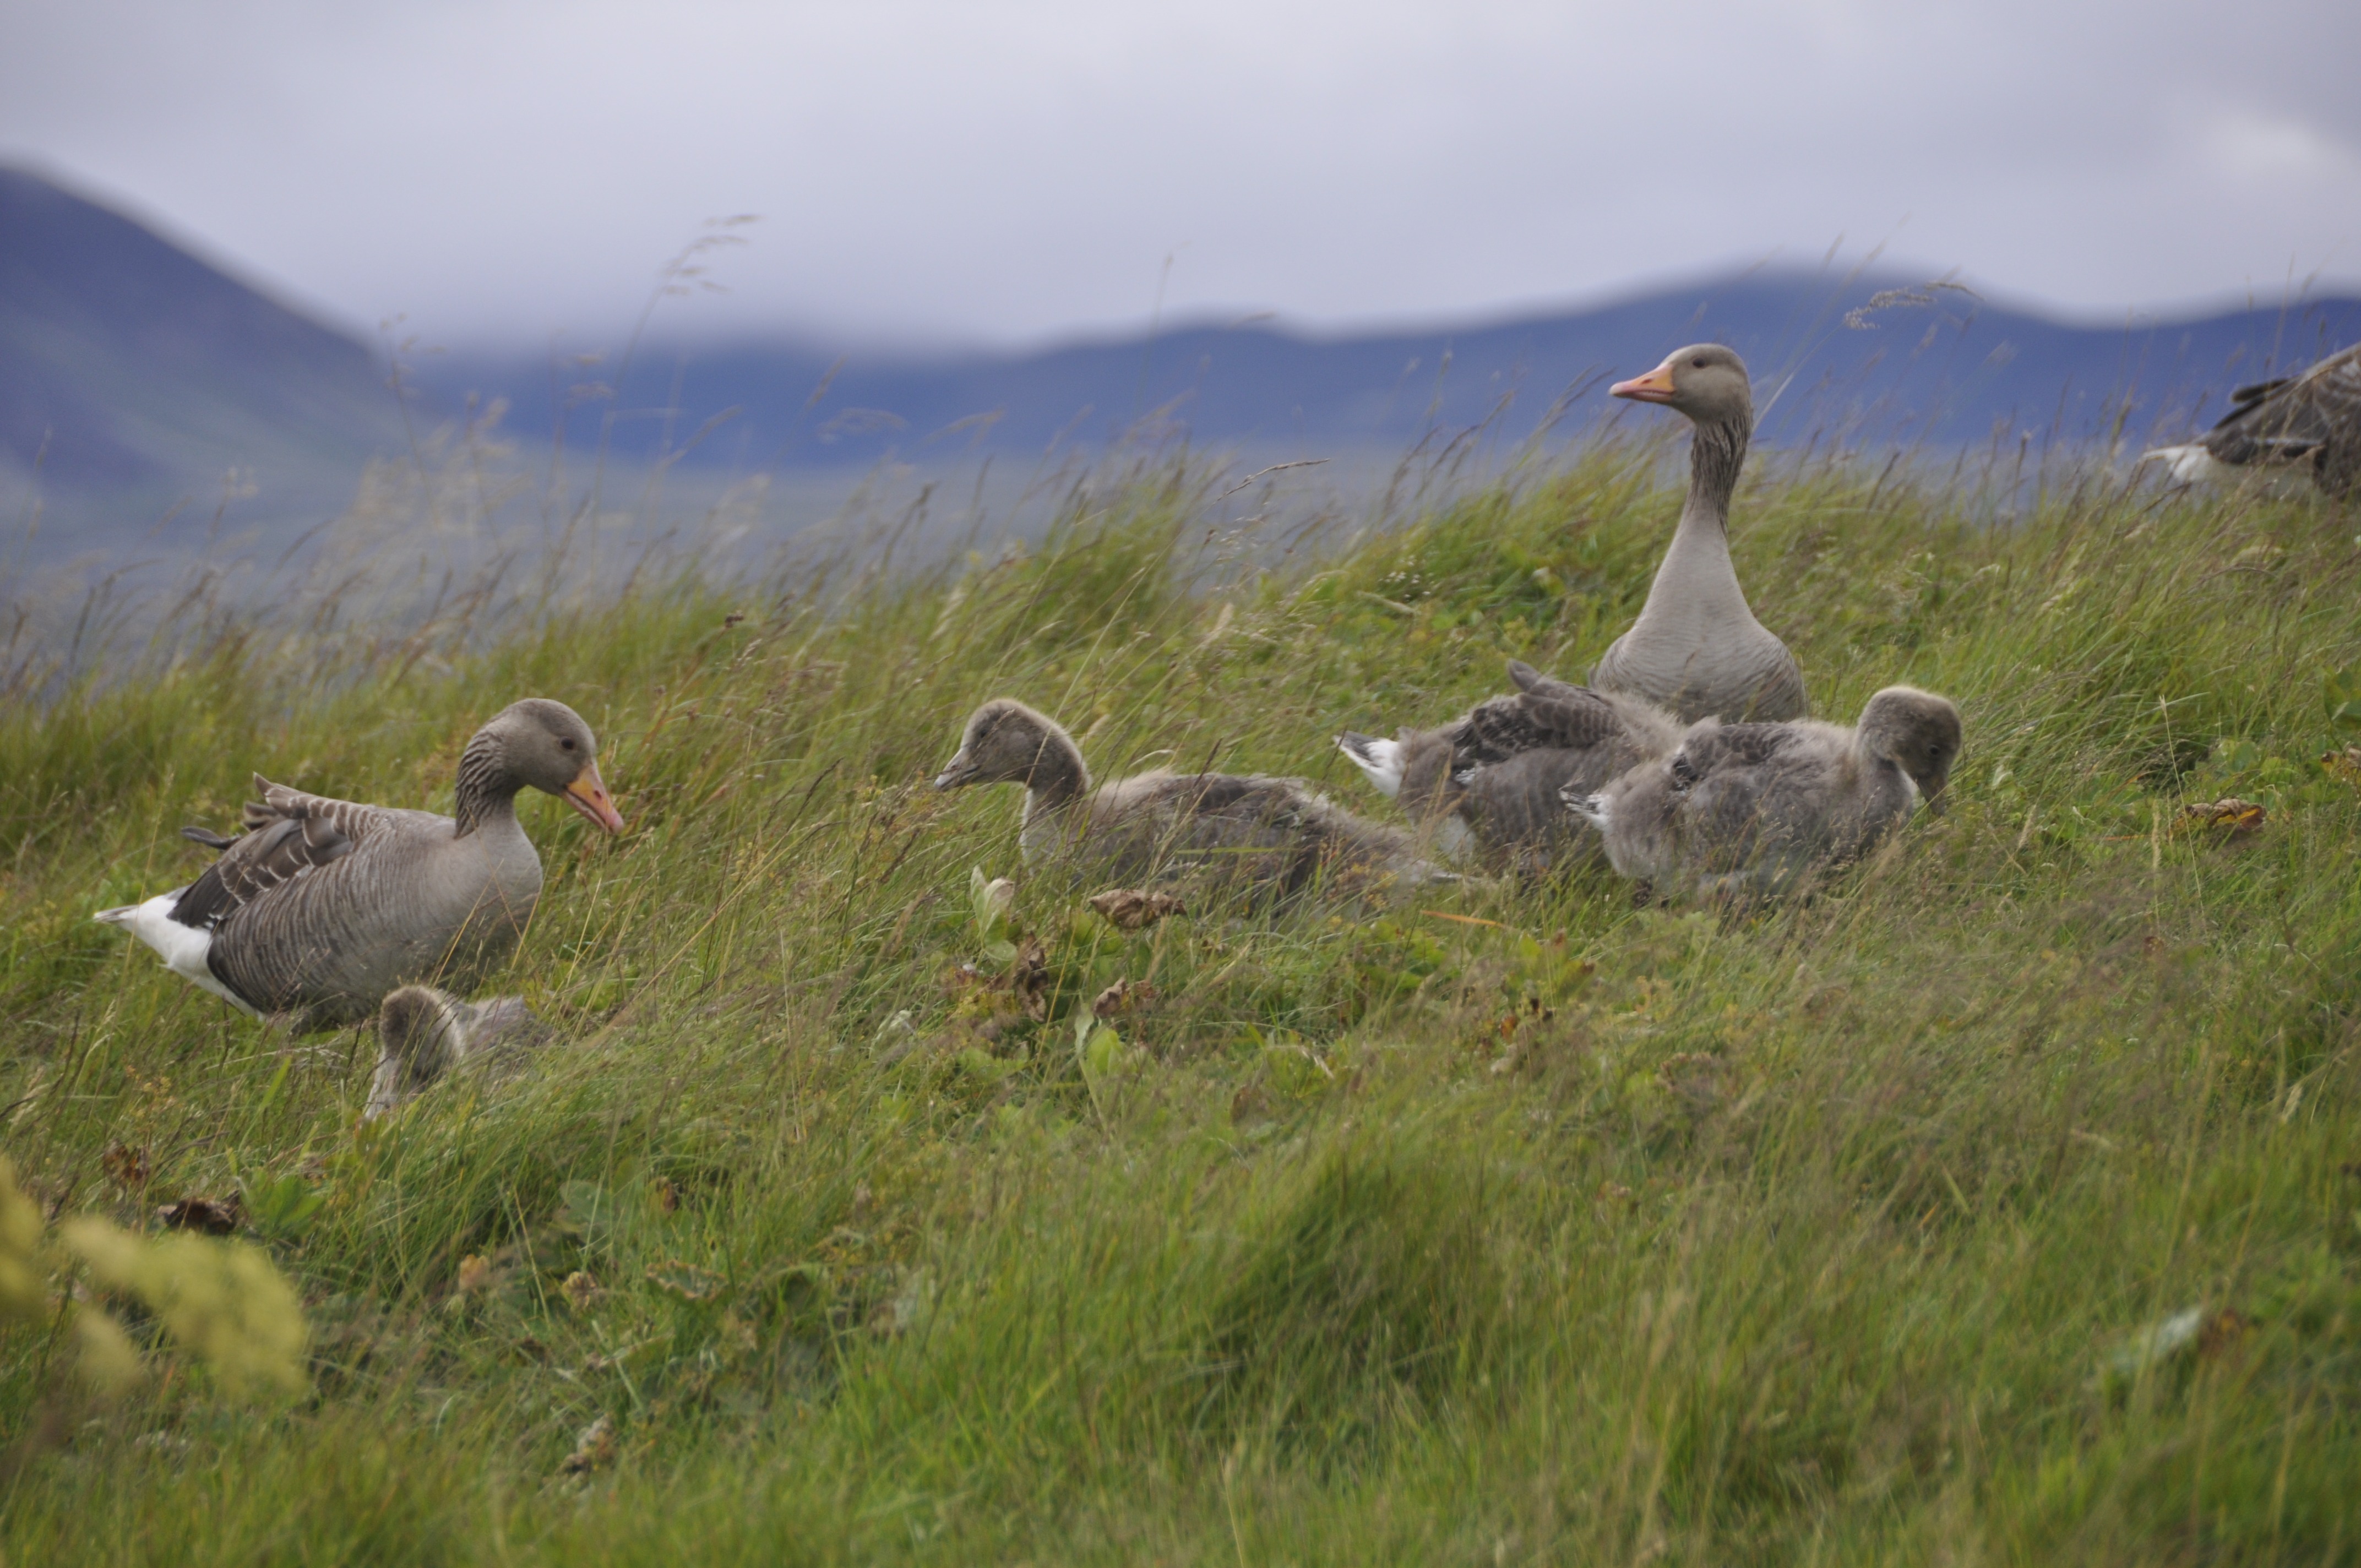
593, 1448
125, 1166
686, 1281
2223, 1330
1028, 979
1130, 909
2229, 816
581, 1289
1692, 1077
209, 1216
1123, 996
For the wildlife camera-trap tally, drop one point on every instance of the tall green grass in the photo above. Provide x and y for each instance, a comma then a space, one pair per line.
1512, 1225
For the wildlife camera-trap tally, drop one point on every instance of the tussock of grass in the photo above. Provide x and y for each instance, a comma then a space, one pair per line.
1555, 1232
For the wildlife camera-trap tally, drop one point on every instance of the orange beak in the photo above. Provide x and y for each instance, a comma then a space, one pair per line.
587, 794
1655, 387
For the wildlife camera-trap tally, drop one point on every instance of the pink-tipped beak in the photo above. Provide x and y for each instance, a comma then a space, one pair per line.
587, 794
1655, 387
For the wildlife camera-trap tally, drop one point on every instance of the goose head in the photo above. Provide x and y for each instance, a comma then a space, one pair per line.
1917, 732
545, 745
1005, 742
1706, 381
421, 1033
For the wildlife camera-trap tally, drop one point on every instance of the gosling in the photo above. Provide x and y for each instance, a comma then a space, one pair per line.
425, 1034
1276, 836
1763, 808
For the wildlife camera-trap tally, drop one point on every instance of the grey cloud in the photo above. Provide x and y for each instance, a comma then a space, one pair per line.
507, 169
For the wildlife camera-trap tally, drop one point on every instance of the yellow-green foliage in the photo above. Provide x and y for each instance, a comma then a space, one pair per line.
220, 1302
1997, 1205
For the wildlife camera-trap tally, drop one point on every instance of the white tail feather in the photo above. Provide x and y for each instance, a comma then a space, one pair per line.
1591, 808
1380, 760
2190, 464
182, 947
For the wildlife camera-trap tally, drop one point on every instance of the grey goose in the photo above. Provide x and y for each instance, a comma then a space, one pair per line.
1696, 648
425, 1034
1494, 778
2316, 415
1761, 808
1277, 836
322, 906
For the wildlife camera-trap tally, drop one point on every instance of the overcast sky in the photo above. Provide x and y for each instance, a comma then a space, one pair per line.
502, 169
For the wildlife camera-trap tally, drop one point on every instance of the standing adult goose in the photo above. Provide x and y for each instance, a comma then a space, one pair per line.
2315, 415
1274, 835
1696, 648
1759, 807
1494, 777
322, 906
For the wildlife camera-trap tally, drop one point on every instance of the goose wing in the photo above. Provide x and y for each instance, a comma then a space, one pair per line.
1244, 808
289, 835
1728, 748
1529, 679
2293, 416
1549, 716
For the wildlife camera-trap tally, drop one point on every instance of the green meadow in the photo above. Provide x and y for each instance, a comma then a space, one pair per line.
2000, 1204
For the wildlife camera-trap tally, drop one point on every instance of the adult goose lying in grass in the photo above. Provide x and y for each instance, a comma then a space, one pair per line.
425, 1034
1274, 835
2315, 415
1494, 777
1760, 807
322, 906
1696, 648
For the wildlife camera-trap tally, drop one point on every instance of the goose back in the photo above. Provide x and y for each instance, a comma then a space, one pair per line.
1276, 834
2315, 415
1499, 771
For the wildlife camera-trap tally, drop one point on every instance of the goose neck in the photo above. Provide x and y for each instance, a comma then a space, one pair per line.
487, 795
1059, 777
1717, 452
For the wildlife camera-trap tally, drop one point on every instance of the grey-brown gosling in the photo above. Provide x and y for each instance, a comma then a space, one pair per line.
1696, 648
1493, 780
1761, 808
1277, 835
425, 1034
322, 906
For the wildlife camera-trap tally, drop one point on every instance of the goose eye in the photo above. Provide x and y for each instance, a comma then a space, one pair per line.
1699, 364
566, 743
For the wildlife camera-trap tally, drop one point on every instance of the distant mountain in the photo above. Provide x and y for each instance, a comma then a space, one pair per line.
1872, 361
130, 369
134, 376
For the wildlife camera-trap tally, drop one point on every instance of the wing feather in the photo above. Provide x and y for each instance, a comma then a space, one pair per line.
1711, 748
289, 835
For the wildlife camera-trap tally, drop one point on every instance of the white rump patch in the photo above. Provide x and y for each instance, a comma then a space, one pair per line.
1380, 760
2190, 464
182, 947
1591, 808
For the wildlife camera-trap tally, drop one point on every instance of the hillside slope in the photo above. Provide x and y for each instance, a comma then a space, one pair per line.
130, 368
1998, 1205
